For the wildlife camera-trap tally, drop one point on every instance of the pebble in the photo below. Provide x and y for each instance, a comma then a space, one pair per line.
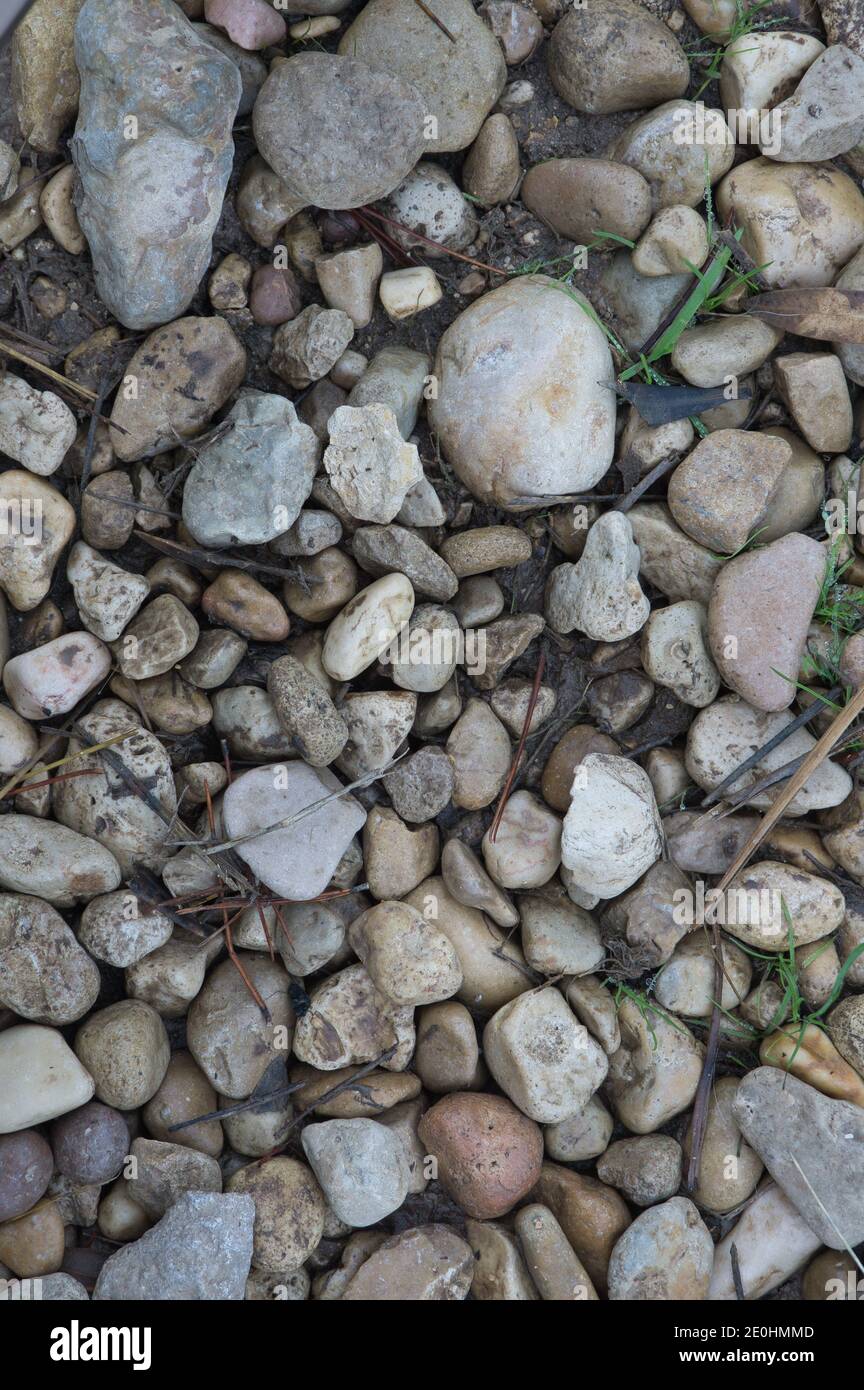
670, 559
366, 626
27, 1165
756, 76
184, 374
150, 248
579, 198
106, 595
654, 1074
801, 221
686, 986
307, 347
497, 448
565, 757
90, 1144
251, 24
200, 1250
408, 957
229, 284
611, 832
36, 428
165, 1171
45, 82
238, 600
378, 722
807, 1052
264, 205
486, 548
125, 1049
526, 850
722, 1187
249, 485
825, 116
723, 491
713, 352
424, 1264
447, 1057
53, 678
375, 1093
42, 1078
846, 1029
665, 1256
676, 239
120, 928
493, 967
555, 1268
184, 1093
457, 83
490, 172
772, 1243
214, 658
33, 1245
582, 1136
813, 385
421, 785
758, 649
470, 884
245, 716
646, 1169
591, 1215
348, 280
500, 1275
306, 711
289, 1212
329, 580
396, 858
369, 464
823, 1275
312, 532
45, 976
430, 203
542, 1058
361, 1167
32, 546
404, 293
489, 1154
52, 862
615, 57
350, 1021
557, 936
600, 595
479, 749
505, 641
479, 600
339, 131
396, 377
227, 1034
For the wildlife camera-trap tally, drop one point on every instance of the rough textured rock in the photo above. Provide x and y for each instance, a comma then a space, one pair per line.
39, 522
249, 485
523, 406
45, 976
665, 1256
200, 1250
600, 595
228, 1036
361, 1166
825, 117
107, 596
52, 862
369, 464
489, 1154
611, 832
45, 80
149, 204
614, 55
542, 1058
339, 131
36, 427
428, 1264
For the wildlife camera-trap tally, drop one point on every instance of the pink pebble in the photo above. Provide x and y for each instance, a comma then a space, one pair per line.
251, 24
274, 296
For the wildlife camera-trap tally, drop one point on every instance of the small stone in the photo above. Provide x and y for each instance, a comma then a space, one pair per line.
591, 1215
486, 548
479, 600
825, 117
39, 522
107, 596
558, 937
229, 283
758, 647
396, 859
36, 427
41, 1077
490, 173
542, 1058
489, 1154
479, 749
45, 83
200, 1250
306, 711
424, 1264
348, 280
665, 1256
53, 863
408, 958
120, 929
350, 1021
45, 976
404, 293
615, 57
675, 653
447, 1057
421, 785
252, 69
378, 722
238, 600
499, 1273
382, 549
360, 1165
296, 862
772, 1243
611, 831
676, 239
654, 1074
248, 486
579, 198
526, 850
329, 581
364, 629
493, 968
395, 377
185, 372
733, 345
555, 1268
669, 147
34, 1244
251, 24
584, 1135
369, 464
125, 1049
720, 1187
813, 385
469, 883
149, 211
228, 1036
305, 349
90, 1144
264, 204
646, 1169
669, 559
430, 203
184, 1093
600, 595
26, 1164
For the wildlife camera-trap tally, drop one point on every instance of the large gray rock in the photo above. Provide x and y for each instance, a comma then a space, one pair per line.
150, 193
248, 486
200, 1250
337, 131
361, 1166
525, 406
813, 1147
459, 78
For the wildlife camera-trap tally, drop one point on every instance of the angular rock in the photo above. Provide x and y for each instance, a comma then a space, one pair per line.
361, 1166
542, 1058
611, 831
600, 595
36, 427
45, 976
200, 1250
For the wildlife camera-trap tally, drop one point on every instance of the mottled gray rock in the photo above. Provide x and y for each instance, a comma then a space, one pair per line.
665, 1256
813, 1147
381, 549
45, 976
150, 195
369, 464
201, 1249
361, 1166
337, 130
248, 486
825, 116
